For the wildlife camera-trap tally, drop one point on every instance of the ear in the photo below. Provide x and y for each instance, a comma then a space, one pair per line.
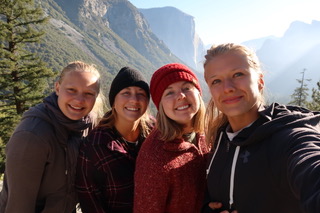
260, 82
57, 88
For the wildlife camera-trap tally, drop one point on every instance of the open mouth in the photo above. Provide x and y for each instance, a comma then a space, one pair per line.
133, 109
183, 107
76, 108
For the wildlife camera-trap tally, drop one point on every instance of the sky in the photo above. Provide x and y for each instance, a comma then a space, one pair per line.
218, 21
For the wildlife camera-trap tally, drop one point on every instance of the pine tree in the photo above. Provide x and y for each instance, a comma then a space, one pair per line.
315, 102
23, 75
300, 95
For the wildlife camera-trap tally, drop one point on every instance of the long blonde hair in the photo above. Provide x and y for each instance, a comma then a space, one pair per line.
146, 122
214, 118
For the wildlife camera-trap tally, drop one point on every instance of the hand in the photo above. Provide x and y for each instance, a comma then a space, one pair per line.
217, 205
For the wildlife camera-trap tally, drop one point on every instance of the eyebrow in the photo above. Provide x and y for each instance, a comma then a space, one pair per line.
233, 70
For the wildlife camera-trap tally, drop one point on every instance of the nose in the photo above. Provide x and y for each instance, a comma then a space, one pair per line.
134, 98
228, 86
181, 95
80, 98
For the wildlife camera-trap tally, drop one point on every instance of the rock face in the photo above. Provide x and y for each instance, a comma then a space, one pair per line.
126, 21
285, 58
112, 32
177, 30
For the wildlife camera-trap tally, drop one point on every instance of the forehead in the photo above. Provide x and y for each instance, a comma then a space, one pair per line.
230, 59
178, 84
226, 62
81, 79
133, 88
86, 76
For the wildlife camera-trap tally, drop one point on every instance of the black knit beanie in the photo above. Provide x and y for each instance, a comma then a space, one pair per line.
127, 77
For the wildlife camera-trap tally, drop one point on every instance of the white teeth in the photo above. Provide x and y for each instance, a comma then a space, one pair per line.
183, 107
132, 109
76, 107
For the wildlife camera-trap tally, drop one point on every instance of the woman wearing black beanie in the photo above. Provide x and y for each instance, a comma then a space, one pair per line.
106, 161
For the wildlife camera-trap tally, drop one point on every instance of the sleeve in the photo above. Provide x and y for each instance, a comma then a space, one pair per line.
207, 200
151, 184
304, 169
26, 157
89, 194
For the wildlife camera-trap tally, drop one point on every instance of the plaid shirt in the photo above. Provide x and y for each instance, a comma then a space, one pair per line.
105, 172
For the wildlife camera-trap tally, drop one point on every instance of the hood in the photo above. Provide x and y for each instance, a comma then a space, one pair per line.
275, 118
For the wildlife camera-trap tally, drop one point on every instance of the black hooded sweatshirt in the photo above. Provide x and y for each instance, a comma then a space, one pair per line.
271, 166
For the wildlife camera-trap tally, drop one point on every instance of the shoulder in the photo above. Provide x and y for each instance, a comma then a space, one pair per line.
101, 135
202, 144
151, 150
34, 129
31, 135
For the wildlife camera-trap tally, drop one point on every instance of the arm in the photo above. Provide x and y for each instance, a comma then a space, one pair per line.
26, 156
151, 184
304, 169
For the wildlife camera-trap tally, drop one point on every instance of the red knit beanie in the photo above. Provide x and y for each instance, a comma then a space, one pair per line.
169, 74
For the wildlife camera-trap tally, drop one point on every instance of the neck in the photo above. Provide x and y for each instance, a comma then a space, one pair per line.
240, 122
129, 131
188, 129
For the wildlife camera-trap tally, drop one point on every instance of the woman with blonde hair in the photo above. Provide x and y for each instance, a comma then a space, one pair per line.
266, 158
170, 170
106, 161
42, 152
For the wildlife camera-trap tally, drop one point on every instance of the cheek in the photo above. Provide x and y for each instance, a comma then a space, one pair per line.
213, 93
166, 108
91, 102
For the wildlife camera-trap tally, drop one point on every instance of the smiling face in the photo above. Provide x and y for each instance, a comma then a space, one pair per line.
180, 102
235, 87
130, 104
77, 93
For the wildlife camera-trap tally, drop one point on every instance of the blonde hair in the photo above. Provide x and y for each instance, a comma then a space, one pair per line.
79, 66
215, 119
170, 129
145, 121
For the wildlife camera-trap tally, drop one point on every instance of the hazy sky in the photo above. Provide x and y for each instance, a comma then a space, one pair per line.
220, 21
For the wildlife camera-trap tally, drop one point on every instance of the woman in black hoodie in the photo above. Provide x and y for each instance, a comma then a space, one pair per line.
265, 158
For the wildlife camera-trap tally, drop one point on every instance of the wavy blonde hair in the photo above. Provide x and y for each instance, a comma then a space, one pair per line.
214, 118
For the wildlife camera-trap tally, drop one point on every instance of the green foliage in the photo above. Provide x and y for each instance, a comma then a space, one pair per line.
315, 102
24, 76
300, 95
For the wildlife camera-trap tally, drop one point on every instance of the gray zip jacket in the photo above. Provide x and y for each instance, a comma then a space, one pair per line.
40, 161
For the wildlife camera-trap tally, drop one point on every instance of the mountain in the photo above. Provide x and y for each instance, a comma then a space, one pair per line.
177, 30
114, 33
256, 44
285, 58
108, 33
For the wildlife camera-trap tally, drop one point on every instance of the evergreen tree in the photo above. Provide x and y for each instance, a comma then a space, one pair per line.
23, 75
315, 102
300, 95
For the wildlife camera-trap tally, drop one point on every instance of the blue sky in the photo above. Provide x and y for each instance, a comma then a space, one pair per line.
220, 21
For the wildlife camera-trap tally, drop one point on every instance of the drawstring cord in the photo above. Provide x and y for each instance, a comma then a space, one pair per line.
233, 168
214, 154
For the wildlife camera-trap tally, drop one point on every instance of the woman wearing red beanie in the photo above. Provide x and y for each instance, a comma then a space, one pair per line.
170, 169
